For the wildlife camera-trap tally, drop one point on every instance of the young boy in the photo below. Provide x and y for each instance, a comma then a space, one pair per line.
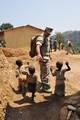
31, 80
21, 74
60, 78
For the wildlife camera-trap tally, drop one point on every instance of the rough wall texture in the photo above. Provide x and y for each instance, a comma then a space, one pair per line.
6, 74
20, 37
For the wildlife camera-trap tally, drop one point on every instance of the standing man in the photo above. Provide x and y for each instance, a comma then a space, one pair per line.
43, 56
69, 47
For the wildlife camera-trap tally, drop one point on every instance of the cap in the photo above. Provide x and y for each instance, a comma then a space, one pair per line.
49, 30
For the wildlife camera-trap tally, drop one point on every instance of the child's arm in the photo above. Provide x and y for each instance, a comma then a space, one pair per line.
17, 73
53, 72
36, 78
68, 67
27, 78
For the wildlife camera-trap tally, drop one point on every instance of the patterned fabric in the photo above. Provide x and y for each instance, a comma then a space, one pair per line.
45, 53
45, 45
44, 71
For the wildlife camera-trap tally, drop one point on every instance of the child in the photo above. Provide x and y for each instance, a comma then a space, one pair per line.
21, 74
31, 80
60, 78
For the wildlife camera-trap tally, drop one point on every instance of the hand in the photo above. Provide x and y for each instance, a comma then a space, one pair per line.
39, 57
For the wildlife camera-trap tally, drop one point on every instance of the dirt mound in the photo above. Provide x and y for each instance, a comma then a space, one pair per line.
10, 52
5, 90
46, 105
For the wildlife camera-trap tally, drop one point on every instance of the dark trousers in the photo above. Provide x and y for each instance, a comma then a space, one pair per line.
60, 90
32, 89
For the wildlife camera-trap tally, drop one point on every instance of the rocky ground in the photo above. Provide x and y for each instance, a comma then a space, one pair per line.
46, 106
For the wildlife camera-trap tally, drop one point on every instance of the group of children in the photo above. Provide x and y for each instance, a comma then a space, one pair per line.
27, 79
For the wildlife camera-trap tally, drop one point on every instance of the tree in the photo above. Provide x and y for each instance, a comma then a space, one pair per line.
2, 43
59, 38
5, 26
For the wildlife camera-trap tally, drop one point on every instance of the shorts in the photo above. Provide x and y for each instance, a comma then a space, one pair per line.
60, 90
32, 87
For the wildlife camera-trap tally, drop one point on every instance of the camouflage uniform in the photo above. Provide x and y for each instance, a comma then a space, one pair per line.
45, 53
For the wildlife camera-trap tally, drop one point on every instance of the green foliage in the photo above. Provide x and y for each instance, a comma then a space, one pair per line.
2, 43
5, 26
72, 35
77, 48
60, 39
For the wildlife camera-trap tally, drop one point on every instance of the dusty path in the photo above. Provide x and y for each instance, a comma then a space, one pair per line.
46, 106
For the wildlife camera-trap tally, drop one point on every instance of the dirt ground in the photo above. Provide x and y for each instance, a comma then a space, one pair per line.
46, 106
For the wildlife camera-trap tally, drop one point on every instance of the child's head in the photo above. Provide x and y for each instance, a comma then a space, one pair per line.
59, 65
31, 69
19, 62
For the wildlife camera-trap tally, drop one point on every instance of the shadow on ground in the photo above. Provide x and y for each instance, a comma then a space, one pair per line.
46, 110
